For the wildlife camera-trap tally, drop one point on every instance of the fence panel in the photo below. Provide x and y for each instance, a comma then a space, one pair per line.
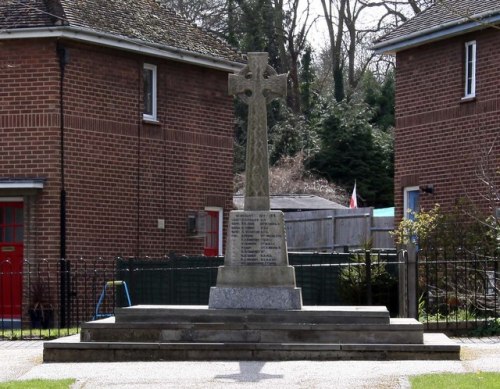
337, 230
310, 231
381, 226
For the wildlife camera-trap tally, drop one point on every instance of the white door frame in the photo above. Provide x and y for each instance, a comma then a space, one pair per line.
221, 225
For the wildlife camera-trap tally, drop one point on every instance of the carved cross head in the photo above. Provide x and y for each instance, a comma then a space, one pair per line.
257, 82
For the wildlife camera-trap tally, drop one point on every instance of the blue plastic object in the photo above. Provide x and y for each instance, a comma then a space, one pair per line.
114, 283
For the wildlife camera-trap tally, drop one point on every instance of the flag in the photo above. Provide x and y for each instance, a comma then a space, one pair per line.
354, 202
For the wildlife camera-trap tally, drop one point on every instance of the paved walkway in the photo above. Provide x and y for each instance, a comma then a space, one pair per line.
20, 360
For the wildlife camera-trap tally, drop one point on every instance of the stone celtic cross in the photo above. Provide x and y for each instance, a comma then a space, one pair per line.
257, 85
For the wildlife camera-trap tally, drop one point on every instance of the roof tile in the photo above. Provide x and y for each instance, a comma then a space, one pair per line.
147, 21
442, 13
24, 13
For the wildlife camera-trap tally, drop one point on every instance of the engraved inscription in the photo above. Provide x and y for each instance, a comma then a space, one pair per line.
257, 239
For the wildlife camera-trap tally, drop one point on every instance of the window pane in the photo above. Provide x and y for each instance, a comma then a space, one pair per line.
19, 234
9, 234
469, 70
470, 64
19, 216
148, 91
9, 215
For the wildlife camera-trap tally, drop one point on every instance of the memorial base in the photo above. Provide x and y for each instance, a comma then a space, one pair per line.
281, 298
188, 333
247, 276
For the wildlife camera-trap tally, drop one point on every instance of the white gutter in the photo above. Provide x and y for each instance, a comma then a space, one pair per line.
122, 43
441, 31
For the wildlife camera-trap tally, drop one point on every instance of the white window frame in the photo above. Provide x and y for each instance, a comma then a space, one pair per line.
470, 93
405, 198
221, 226
154, 72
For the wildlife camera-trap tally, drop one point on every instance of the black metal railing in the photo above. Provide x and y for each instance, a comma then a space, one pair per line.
459, 292
358, 278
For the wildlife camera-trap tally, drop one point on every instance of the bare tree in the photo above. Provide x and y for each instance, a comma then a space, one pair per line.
297, 27
350, 36
397, 11
334, 18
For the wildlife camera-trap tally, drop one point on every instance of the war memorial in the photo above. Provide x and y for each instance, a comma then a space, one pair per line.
255, 311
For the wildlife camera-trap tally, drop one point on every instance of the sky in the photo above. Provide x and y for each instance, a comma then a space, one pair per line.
318, 35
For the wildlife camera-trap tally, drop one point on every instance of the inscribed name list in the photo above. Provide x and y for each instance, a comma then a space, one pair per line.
257, 239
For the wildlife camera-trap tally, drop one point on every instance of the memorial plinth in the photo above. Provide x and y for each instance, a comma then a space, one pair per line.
256, 273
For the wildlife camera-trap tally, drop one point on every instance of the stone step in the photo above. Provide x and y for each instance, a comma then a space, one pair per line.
71, 349
202, 314
407, 331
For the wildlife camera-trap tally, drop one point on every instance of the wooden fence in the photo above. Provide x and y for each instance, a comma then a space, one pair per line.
337, 230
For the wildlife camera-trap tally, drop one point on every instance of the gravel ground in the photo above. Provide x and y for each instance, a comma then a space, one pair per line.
22, 360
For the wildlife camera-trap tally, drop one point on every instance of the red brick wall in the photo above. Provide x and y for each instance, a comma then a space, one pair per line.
441, 139
29, 125
121, 175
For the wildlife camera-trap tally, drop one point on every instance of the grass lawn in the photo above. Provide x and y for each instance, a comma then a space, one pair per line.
456, 381
38, 384
34, 334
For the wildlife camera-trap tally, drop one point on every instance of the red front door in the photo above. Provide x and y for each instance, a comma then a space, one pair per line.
212, 234
11, 258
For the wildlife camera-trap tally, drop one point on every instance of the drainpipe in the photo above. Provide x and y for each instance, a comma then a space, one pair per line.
139, 129
62, 54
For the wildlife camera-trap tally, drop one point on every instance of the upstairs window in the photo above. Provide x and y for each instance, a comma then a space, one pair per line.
149, 77
470, 69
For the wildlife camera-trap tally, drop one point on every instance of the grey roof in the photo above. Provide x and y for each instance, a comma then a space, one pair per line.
146, 21
445, 18
302, 202
22, 14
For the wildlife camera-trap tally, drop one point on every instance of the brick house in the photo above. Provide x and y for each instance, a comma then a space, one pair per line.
447, 106
116, 125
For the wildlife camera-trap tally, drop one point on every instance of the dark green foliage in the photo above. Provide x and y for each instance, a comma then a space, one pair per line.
231, 23
380, 97
352, 149
386, 118
307, 78
490, 328
253, 27
382, 286
290, 135
338, 83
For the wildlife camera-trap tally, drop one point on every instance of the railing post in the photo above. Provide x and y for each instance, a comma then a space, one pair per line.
411, 269
408, 301
403, 284
368, 269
